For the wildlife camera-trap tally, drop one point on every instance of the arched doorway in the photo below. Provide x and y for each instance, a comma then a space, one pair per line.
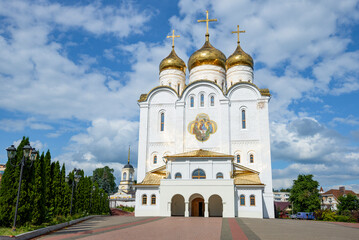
177, 205
215, 206
197, 205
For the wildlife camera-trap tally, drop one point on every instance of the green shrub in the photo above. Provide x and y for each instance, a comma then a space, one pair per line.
328, 216
341, 218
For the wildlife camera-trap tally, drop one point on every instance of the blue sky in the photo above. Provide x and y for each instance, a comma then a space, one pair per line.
71, 73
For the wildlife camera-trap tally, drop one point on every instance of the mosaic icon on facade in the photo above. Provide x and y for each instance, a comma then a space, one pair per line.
202, 127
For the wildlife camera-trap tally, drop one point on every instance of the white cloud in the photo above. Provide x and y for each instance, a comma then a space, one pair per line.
105, 143
311, 148
12, 125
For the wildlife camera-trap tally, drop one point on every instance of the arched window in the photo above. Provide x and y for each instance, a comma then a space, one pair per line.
178, 176
242, 200
155, 159
251, 158
144, 199
124, 176
252, 200
212, 101
243, 119
238, 158
198, 174
131, 176
192, 101
162, 122
219, 175
153, 199
202, 100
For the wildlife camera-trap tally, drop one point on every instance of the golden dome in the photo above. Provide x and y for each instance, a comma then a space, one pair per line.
207, 55
239, 57
172, 61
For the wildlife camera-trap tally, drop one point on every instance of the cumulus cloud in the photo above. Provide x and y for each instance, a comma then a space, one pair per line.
105, 142
311, 148
37, 75
12, 125
300, 51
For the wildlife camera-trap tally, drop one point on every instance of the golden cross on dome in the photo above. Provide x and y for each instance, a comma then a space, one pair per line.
173, 38
207, 21
238, 32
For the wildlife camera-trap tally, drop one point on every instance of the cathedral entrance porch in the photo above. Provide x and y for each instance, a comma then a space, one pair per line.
197, 207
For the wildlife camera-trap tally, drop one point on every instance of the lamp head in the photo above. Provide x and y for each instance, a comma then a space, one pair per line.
27, 150
11, 152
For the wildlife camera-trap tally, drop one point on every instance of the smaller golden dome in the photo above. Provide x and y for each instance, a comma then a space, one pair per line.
239, 57
207, 55
172, 61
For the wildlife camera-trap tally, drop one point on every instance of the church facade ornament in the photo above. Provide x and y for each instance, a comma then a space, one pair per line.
202, 127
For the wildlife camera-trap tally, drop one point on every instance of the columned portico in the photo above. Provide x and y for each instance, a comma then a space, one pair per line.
206, 209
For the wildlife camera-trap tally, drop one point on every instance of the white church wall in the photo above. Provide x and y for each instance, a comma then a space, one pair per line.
160, 141
247, 210
212, 73
239, 74
142, 142
214, 141
147, 209
173, 78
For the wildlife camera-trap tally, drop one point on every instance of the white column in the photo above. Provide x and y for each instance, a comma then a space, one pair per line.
186, 212
206, 209
169, 209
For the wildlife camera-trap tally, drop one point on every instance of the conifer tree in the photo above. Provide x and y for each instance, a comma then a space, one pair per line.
9, 187
47, 184
38, 208
56, 189
64, 204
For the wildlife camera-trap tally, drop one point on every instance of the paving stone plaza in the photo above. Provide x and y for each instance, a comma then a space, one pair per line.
124, 227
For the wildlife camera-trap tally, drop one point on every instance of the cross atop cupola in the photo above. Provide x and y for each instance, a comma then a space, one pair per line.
207, 21
238, 32
173, 36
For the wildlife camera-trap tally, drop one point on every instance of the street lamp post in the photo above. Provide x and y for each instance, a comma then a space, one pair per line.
76, 179
28, 153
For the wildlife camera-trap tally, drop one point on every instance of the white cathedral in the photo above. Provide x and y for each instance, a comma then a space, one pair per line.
204, 147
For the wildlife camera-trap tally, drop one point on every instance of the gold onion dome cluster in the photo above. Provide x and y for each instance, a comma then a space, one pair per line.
239, 57
207, 55
172, 61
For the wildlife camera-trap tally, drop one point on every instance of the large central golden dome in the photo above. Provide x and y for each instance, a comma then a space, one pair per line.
207, 55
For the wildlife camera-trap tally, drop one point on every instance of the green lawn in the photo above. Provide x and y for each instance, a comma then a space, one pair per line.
8, 231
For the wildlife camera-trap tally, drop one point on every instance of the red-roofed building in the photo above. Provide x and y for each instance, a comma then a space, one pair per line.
330, 198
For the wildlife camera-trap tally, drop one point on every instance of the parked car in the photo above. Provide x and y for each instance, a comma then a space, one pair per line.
305, 215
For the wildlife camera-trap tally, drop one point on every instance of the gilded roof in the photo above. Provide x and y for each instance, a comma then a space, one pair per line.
172, 61
200, 153
239, 57
246, 178
154, 177
207, 54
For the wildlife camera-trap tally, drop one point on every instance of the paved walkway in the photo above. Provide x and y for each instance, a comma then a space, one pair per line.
124, 227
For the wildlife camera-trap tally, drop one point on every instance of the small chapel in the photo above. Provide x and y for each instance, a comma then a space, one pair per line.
204, 145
